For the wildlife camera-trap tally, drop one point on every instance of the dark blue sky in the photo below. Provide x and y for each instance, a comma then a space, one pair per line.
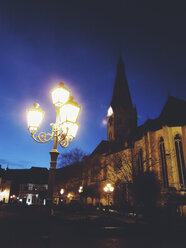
79, 42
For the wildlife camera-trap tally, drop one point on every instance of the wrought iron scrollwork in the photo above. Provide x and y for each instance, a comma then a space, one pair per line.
64, 143
43, 137
64, 140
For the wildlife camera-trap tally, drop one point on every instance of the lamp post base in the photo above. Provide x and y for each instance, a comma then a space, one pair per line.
51, 178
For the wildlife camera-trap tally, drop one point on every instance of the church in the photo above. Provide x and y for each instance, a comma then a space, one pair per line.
158, 145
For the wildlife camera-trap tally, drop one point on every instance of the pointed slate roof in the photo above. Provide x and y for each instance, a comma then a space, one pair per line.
107, 147
174, 112
121, 95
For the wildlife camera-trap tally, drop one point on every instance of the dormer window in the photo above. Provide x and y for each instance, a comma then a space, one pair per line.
110, 111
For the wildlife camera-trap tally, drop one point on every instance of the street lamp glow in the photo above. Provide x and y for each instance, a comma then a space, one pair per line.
70, 129
35, 116
69, 195
60, 95
62, 191
69, 111
108, 188
80, 190
64, 129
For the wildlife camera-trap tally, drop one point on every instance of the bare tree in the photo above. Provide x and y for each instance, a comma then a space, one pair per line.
73, 156
123, 167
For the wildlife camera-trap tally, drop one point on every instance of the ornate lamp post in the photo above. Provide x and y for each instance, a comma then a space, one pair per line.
63, 130
80, 190
108, 189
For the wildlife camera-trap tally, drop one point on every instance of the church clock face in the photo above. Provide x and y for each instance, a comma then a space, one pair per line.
110, 112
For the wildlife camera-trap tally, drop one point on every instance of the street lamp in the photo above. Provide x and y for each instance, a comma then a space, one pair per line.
80, 190
64, 129
108, 189
69, 196
62, 191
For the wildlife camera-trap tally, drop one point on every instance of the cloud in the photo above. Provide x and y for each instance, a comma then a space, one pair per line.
15, 165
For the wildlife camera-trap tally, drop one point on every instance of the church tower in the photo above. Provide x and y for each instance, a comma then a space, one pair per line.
121, 116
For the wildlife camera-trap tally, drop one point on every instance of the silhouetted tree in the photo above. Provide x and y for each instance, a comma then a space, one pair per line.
73, 156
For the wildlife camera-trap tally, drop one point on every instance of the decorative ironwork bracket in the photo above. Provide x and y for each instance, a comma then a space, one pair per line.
43, 137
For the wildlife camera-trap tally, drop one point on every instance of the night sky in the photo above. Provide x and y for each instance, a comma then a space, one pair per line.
79, 43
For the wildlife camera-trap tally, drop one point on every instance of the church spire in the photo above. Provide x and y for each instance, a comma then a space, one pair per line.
121, 116
121, 94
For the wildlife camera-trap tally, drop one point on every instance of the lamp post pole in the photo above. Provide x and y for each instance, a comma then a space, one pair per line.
63, 130
53, 162
108, 189
108, 199
51, 178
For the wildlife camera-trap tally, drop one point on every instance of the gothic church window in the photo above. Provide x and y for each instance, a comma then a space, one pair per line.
140, 161
163, 163
180, 160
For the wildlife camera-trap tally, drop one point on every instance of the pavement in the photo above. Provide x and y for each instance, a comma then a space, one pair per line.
33, 228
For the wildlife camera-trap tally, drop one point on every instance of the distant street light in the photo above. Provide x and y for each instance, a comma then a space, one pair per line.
62, 191
80, 190
63, 130
69, 196
108, 189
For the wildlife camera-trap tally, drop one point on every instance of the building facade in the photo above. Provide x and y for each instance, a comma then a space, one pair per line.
4, 190
158, 145
24, 186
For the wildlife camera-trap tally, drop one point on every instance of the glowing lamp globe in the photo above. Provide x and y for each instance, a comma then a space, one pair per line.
111, 189
62, 191
70, 129
108, 188
60, 95
69, 195
105, 189
69, 111
80, 190
35, 116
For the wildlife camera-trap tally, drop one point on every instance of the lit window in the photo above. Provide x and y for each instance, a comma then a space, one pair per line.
30, 187
180, 160
163, 163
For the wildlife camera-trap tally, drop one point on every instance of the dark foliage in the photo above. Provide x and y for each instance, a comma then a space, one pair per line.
146, 189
